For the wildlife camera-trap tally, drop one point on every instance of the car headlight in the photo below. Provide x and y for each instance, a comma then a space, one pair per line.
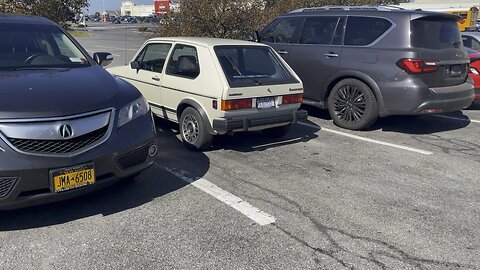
132, 110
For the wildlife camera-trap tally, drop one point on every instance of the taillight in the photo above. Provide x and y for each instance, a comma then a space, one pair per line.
236, 104
416, 66
289, 99
474, 71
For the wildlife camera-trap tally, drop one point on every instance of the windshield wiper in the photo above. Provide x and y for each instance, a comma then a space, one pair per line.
33, 68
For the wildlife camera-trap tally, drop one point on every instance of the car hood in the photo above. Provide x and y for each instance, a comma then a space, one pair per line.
60, 92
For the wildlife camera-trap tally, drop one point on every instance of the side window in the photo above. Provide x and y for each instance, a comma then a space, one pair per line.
282, 30
467, 41
184, 62
319, 30
153, 57
362, 31
475, 44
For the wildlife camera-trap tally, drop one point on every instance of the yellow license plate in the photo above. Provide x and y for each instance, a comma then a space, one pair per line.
73, 177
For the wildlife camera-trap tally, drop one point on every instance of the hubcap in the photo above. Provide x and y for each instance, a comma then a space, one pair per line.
190, 129
349, 104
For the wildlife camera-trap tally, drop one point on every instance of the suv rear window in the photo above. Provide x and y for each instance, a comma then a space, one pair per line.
246, 66
435, 33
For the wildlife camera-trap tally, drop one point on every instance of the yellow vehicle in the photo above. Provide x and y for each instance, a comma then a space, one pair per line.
468, 20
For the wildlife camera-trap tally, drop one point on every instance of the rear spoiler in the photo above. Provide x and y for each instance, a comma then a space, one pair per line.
419, 14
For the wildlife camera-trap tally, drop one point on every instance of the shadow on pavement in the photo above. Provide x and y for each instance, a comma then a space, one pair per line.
127, 194
425, 124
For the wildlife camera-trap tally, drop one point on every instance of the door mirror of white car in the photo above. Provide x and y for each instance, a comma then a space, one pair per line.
102, 58
135, 65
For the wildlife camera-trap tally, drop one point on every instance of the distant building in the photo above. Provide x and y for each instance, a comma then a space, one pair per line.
159, 7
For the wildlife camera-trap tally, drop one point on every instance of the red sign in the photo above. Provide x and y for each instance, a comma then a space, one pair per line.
162, 6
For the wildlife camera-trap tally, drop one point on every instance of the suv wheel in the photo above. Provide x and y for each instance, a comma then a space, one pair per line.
193, 131
352, 105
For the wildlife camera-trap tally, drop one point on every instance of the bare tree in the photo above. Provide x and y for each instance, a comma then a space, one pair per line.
236, 18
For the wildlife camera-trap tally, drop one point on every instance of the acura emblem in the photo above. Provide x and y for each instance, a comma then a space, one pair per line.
66, 131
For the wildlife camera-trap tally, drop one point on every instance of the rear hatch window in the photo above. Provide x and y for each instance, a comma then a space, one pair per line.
436, 39
246, 66
435, 33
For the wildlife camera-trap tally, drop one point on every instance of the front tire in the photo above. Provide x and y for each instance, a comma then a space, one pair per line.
193, 130
352, 105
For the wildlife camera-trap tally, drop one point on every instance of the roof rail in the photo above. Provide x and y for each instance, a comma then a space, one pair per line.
376, 8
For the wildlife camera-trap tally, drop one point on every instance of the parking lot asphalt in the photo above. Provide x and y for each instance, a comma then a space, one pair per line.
403, 195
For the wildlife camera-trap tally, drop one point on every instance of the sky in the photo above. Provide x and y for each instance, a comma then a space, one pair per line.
97, 5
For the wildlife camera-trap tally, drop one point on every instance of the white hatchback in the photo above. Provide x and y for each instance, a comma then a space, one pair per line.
216, 86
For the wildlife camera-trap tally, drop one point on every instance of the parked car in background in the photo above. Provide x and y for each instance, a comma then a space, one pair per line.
364, 62
216, 86
471, 40
474, 71
67, 126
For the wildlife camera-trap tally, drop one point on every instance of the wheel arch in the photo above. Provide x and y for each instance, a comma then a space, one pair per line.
354, 74
188, 102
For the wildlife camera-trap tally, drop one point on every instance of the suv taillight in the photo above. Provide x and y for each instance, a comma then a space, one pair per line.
416, 66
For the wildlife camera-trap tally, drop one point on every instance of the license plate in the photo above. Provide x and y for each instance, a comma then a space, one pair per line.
265, 103
72, 177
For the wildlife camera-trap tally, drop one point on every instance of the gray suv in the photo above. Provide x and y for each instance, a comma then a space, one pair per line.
366, 62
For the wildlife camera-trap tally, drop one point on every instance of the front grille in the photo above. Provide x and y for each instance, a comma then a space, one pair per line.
133, 158
58, 146
6, 185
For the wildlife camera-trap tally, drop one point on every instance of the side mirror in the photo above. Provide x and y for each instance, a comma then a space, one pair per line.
135, 65
103, 59
256, 37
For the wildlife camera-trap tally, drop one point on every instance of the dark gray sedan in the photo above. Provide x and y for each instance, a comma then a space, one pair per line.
67, 127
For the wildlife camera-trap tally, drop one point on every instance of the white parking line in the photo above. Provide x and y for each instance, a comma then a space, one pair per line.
411, 149
456, 118
255, 214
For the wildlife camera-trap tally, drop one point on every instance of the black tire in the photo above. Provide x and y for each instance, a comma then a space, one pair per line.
352, 105
193, 130
277, 132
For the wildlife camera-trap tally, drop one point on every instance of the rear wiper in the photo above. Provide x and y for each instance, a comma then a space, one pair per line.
236, 69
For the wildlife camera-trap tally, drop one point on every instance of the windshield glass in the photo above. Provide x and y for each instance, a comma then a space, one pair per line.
435, 33
37, 46
251, 66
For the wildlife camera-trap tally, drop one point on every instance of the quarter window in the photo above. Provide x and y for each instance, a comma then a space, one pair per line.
153, 57
319, 30
363, 31
282, 31
184, 62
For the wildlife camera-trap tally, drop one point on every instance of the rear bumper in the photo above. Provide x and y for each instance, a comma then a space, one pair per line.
448, 99
254, 121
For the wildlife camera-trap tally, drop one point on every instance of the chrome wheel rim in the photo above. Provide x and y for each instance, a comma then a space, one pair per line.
190, 129
349, 104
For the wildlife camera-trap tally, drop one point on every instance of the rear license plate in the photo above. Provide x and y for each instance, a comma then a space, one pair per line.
456, 70
265, 103
72, 177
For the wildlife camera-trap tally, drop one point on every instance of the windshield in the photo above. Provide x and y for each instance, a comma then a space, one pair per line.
25, 46
251, 66
435, 33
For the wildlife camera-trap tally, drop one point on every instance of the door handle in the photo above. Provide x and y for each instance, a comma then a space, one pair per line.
331, 54
282, 52
156, 78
